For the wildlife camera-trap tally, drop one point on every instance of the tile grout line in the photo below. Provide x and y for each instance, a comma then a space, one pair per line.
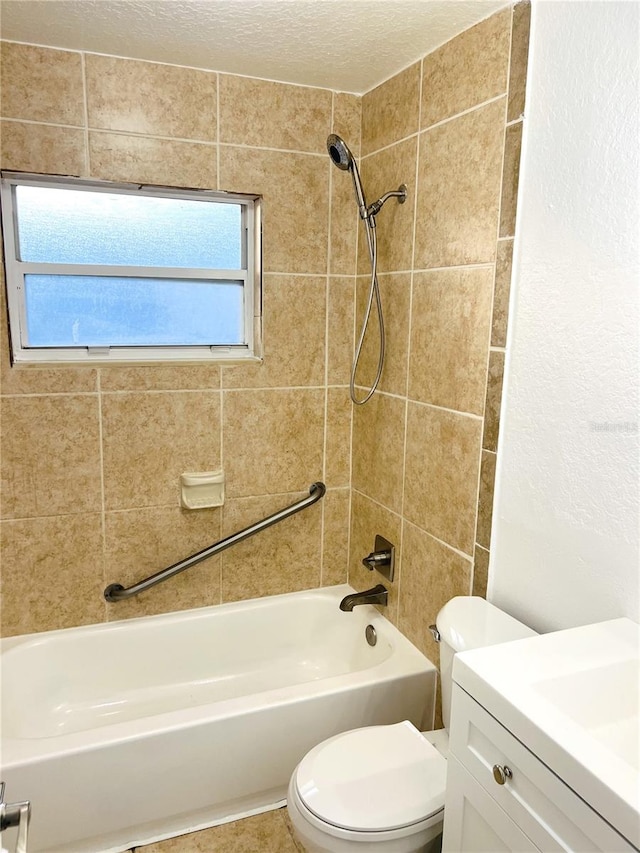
103, 514
52, 394
468, 557
221, 388
326, 354
97, 512
13, 119
218, 180
485, 265
182, 139
463, 554
222, 508
430, 405
435, 125
409, 327
480, 106
204, 390
85, 109
282, 274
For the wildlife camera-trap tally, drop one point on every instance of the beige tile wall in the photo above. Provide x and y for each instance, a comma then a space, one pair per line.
91, 457
424, 450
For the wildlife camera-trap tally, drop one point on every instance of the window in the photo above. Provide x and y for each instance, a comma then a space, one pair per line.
108, 272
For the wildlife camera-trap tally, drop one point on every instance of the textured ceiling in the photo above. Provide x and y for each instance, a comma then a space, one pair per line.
347, 46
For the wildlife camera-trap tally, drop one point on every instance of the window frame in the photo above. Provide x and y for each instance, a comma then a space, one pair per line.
15, 270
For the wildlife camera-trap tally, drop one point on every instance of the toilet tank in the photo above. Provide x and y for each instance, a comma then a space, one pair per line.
470, 622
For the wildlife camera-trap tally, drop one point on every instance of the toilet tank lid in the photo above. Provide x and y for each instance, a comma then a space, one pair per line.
470, 622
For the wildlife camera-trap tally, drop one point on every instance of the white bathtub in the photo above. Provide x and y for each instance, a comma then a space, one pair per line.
128, 732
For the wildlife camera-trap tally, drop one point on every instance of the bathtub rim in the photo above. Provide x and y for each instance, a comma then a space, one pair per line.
404, 660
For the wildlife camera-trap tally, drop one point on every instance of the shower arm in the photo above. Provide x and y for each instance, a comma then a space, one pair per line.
369, 212
375, 208
117, 592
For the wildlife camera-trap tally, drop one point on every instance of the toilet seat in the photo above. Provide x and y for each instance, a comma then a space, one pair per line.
379, 780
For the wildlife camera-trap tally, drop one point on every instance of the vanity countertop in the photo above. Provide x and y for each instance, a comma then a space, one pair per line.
573, 698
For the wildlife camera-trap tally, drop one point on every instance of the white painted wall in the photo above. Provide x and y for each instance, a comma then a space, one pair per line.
565, 547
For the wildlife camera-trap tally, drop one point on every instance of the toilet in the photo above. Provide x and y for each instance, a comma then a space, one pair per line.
381, 788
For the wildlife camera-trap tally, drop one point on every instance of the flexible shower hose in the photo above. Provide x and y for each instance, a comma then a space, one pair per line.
372, 241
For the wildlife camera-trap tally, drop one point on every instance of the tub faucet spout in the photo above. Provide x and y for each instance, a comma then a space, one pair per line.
377, 595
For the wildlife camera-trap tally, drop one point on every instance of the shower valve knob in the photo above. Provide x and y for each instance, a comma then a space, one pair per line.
382, 558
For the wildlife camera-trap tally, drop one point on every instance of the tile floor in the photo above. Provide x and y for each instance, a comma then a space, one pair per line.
269, 832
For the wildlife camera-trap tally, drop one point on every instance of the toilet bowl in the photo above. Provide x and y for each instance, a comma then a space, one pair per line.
382, 788
369, 786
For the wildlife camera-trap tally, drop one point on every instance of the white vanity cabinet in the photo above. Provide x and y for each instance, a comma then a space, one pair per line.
501, 797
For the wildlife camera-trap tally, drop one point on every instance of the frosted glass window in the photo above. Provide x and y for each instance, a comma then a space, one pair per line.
120, 272
73, 226
65, 311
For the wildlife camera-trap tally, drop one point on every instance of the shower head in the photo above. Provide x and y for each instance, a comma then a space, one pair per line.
339, 152
342, 157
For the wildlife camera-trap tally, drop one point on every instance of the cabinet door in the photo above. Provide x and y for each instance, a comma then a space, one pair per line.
474, 822
547, 810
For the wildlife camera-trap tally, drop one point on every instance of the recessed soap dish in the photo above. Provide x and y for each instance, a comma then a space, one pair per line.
202, 489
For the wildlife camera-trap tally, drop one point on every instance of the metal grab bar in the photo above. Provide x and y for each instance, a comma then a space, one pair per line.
116, 592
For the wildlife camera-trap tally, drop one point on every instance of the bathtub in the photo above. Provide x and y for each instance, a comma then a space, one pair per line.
129, 732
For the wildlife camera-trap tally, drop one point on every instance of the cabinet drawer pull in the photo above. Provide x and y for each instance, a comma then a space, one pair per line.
501, 774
